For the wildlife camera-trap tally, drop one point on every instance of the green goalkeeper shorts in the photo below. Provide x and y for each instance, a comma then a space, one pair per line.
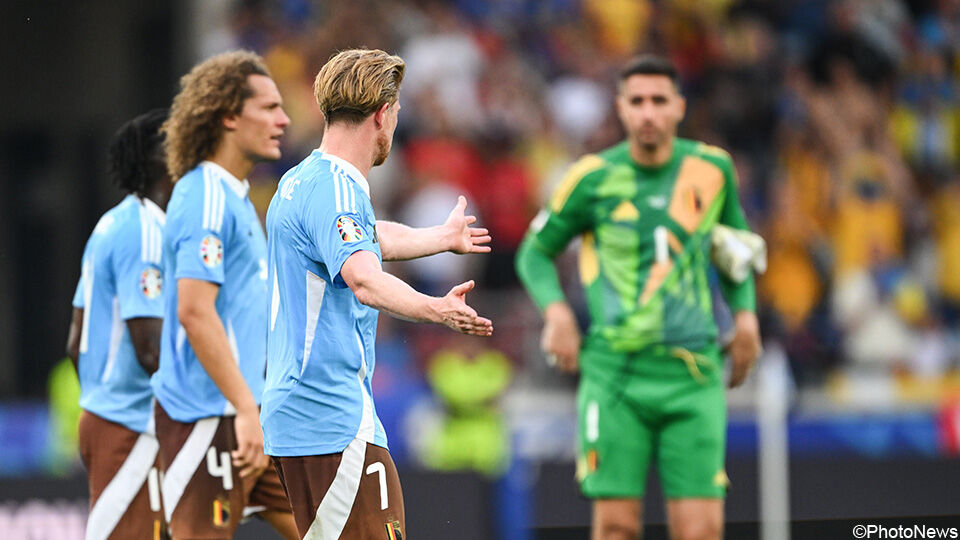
665, 406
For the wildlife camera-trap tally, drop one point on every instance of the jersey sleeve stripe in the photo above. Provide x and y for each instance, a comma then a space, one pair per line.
577, 172
221, 200
336, 187
353, 199
144, 235
343, 189
206, 198
157, 244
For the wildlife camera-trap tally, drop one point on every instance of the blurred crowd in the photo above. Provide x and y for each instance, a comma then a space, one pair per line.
843, 118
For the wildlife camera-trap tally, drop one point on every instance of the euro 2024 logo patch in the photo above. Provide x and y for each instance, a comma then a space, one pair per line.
348, 229
211, 251
151, 283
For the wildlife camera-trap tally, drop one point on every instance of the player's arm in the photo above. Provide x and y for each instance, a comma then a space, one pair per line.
139, 283
145, 336
385, 292
73, 337
568, 215
399, 242
197, 313
741, 297
199, 246
76, 326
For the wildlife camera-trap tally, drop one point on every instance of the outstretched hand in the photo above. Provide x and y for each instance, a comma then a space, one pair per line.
463, 238
454, 312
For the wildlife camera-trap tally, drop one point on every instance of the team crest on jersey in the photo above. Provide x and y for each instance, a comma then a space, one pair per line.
721, 479
151, 283
348, 229
587, 464
593, 461
221, 512
211, 251
393, 530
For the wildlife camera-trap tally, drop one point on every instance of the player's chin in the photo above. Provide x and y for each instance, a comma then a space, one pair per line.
271, 153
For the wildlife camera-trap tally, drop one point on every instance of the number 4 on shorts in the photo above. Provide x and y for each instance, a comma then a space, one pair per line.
221, 469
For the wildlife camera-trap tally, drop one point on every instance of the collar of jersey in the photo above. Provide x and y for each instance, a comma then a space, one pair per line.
239, 187
351, 171
155, 210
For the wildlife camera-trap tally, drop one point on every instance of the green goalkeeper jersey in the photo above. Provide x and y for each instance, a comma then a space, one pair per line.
645, 253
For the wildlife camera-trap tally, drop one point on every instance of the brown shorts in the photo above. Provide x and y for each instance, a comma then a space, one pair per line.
203, 495
354, 494
124, 487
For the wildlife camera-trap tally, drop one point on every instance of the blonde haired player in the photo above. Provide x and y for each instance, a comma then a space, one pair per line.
325, 249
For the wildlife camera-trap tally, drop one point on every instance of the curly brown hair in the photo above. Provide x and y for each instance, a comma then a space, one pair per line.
214, 89
354, 83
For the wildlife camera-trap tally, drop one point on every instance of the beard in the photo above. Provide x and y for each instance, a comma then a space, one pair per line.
383, 150
650, 141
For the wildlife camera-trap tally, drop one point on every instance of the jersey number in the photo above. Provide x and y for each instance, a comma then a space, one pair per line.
382, 473
153, 489
661, 247
221, 468
661, 264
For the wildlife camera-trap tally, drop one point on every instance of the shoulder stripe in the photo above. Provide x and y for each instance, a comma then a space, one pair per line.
345, 189
575, 174
221, 203
353, 198
336, 186
206, 198
150, 238
144, 235
213, 200
157, 254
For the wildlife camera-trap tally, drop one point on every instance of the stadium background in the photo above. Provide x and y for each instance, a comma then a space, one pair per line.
843, 118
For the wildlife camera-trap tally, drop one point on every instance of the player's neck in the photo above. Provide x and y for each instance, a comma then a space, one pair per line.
233, 160
160, 195
350, 143
655, 157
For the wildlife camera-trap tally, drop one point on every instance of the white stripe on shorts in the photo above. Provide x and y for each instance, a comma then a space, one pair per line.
184, 465
335, 507
122, 489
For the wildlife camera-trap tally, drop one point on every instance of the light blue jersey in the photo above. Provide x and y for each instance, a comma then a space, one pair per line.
212, 234
320, 359
120, 279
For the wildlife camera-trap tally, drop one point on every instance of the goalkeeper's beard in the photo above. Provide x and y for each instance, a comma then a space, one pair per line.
650, 144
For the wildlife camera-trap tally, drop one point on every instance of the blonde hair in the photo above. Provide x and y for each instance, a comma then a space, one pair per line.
354, 83
212, 90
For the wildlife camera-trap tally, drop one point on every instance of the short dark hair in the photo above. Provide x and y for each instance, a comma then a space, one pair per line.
649, 64
135, 155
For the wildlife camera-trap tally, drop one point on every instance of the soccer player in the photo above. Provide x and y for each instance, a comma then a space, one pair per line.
226, 118
325, 249
651, 384
114, 339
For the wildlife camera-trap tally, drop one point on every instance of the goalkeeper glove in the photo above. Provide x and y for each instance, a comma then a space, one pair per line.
736, 252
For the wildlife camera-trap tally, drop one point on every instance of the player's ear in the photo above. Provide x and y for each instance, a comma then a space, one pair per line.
230, 121
681, 107
380, 114
620, 102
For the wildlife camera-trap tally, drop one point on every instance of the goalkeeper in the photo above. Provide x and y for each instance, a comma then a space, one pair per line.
649, 211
